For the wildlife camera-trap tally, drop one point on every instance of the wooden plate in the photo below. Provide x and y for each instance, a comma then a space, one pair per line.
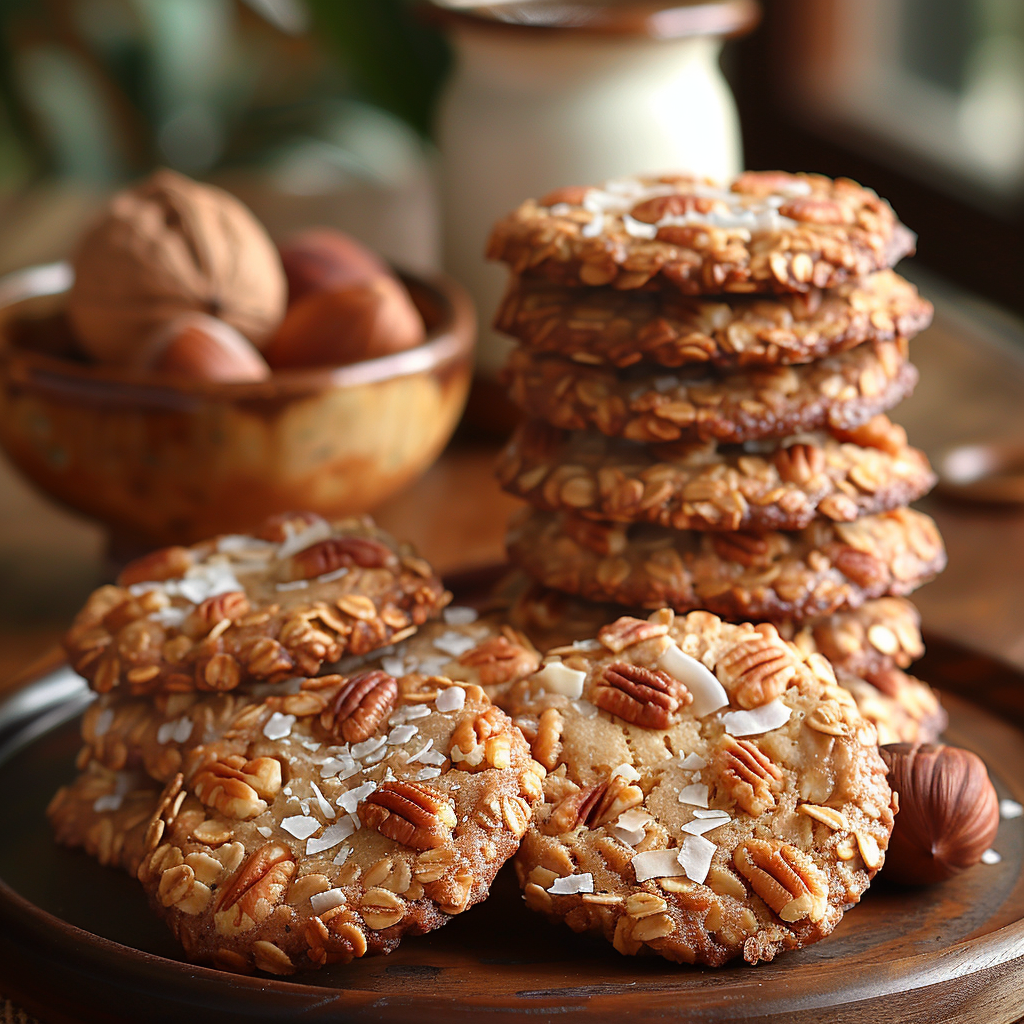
77, 942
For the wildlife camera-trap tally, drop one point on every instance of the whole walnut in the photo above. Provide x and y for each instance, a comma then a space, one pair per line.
171, 245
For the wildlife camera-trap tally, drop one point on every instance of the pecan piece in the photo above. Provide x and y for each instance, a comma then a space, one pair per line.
676, 205
799, 463
626, 631
359, 706
238, 788
258, 886
340, 553
746, 548
642, 696
231, 607
279, 528
601, 538
410, 814
757, 670
863, 568
810, 210
785, 878
502, 659
749, 774
481, 742
165, 564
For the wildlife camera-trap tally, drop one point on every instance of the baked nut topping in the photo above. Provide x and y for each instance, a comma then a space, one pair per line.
721, 830
642, 696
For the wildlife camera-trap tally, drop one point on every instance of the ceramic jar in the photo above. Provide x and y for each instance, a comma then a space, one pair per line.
530, 109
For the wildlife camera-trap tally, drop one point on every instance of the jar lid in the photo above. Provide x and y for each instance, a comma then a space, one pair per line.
656, 19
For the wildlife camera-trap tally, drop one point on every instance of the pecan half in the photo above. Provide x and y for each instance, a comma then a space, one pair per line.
410, 814
642, 696
481, 742
863, 568
165, 564
502, 659
359, 706
748, 773
785, 878
799, 463
676, 205
601, 538
238, 788
810, 210
280, 527
626, 631
258, 886
231, 606
593, 806
748, 549
340, 553
757, 670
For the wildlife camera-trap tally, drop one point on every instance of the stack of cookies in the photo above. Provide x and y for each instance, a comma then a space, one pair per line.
278, 819
706, 373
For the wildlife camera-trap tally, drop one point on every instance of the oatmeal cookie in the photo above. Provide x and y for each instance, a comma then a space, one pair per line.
772, 575
326, 823
766, 232
236, 608
760, 485
156, 733
711, 791
605, 327
902, 709
838, 392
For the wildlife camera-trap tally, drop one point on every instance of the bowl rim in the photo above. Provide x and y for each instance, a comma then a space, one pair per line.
451, 339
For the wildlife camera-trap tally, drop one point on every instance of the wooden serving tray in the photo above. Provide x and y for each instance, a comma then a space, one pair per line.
78, 943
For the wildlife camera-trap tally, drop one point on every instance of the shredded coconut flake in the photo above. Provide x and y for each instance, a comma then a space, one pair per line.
324, 901
108, 802
454, 644
697, 794
401, 734
409, 713
300, 825
342, 855
555, 677
170, 617
991, 857
265, 830
322, 802
360, 750
753, 723
278, 726
638, 228
460, 615
349, 801
332, 836
571, 884
426, 773
451, 699
179, 730
693, 762
337, 766
699, 826
627, 772
393, 666
1010, 809
312, 534
585, 708
330, 577
587, 645
708, 693
695, 857
657, 864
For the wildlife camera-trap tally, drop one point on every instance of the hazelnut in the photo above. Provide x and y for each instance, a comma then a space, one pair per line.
322, 259
346, 325
168, 246
202, 347
948, 815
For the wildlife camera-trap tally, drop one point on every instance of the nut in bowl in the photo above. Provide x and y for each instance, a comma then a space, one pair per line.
171, 460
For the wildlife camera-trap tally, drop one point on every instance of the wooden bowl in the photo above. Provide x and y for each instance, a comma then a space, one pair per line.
166, 461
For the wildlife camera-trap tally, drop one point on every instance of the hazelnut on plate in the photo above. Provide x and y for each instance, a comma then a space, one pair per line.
345, 325
169, 246
948, 816
321, 259
202, 347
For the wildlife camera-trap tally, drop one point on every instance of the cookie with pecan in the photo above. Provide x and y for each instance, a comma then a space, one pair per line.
268, 607
326, 823
639, 403
606, 327
773, 485
156, 733
767, 575
711, 792
764, 232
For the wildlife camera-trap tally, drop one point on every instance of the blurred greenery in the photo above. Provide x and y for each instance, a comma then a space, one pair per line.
102, 90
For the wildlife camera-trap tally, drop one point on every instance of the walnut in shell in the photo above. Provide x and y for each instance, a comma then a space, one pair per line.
170, 246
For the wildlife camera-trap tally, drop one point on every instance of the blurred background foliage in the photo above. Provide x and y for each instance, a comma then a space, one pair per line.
101, 90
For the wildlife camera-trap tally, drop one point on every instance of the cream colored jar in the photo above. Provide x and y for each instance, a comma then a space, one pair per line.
532, 109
